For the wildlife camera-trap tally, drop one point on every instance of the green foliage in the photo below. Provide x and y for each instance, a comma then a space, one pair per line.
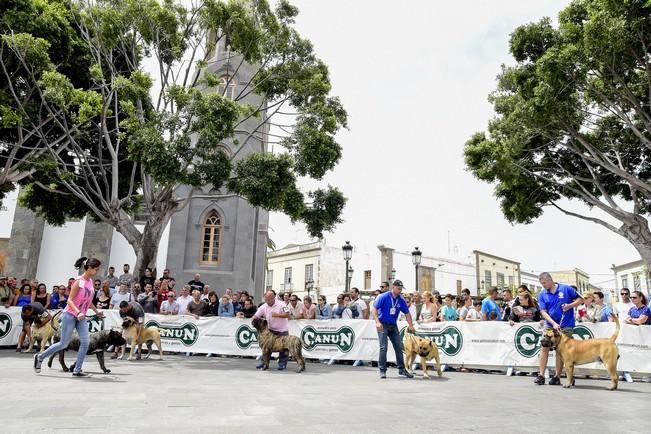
573, 113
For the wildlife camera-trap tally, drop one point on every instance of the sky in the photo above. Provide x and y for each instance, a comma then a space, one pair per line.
414, 77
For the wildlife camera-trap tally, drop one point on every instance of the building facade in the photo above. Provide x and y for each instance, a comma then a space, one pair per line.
218, 234
496, 271
632, 275
575, 277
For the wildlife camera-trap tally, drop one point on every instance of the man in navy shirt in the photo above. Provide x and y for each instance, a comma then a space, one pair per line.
388, 305
556, 302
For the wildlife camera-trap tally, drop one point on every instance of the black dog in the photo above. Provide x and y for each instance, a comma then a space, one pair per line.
98, 342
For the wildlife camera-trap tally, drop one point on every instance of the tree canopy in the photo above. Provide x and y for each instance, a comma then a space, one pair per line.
573, 119
131, 138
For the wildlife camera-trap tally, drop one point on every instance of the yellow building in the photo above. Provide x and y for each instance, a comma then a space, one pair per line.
575, 277
493, 270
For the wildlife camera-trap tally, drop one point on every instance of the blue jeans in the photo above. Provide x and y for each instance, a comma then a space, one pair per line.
68, 324
390, 331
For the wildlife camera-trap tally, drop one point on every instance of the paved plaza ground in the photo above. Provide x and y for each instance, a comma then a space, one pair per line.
199, 394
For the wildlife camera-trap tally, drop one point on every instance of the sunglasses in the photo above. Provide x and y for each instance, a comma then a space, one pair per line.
624, 293
382, 286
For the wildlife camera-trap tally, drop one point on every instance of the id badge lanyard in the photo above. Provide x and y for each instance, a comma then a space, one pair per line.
394, 303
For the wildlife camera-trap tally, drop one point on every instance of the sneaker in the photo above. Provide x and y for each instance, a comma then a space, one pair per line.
138, 357
540, 380
18, 350
37, 364
80, 374
383, 374
282, 366
554, 381
405, 374
259, 365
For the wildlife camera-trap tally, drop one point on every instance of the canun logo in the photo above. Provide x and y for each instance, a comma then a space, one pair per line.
582, 332
527, 341
5, 325
246, 336
449, 340
343, 338
187, 333
95, 324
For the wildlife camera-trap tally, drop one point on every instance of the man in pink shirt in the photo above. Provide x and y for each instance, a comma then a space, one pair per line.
277, 316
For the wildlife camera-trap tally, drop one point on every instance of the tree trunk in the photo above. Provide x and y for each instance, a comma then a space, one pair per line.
636, 231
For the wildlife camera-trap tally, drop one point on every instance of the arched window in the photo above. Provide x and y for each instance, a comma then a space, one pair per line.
227, 87
211, 232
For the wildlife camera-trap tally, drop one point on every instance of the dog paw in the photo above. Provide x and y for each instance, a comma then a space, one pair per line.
567, 386
107, 371
66, 370
425, 377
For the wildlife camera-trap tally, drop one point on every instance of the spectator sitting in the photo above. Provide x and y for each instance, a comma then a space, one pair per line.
213, 303
490, 311
206, 293
474, 314
286, 297
238, 302
97, 286
197, 307
103, 300
148, 299
525, 310
362, 307
606, 311
136, 290
508, 304
184, 299
6, 293
309, 309
466, 306
59, 299
449, 313
169, 306
338, 309
24, 296
348, 312
294, 307
323, 309
593, 310
639, 314
121, 295
249, 309
412, 308
226, 307
41, 295
163, 292
430, 310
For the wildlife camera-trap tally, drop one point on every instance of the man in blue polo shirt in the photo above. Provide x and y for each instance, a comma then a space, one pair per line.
556, 302
388, 305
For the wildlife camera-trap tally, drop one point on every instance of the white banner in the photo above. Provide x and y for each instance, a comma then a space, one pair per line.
494, 344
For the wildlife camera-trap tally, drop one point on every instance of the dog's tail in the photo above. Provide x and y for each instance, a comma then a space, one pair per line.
613, 338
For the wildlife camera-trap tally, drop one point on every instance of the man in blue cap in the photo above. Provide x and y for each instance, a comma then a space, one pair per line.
388, 306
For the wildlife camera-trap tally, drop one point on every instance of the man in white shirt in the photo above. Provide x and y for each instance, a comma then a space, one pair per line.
295, 307
169, 306
121, 295
622, 307
184, 299
362, 308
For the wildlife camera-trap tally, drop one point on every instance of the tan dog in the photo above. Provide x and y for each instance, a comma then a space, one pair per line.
579, 352
146, 336
427, 350
44, 333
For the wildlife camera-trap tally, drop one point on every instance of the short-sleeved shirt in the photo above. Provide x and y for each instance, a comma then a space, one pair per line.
136, 312
553, 302
491, 309
275, 324
636, 312
606, 312
449, 313
200, 309
113, 281
126, 278
361, 307
38, 315
171, 307
196, 284
309, 312
117, 298
389, 307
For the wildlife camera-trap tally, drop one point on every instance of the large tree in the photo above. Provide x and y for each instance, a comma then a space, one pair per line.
52, 22
574, 119
136, 137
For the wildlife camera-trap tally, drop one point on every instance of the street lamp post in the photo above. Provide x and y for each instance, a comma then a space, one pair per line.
348, 253
415, 259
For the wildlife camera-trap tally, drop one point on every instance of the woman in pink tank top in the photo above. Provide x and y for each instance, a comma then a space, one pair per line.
74, 316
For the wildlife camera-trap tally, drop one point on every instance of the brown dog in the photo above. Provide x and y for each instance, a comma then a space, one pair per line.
44, 333
146, 336
270, 343
579, 352
427, 350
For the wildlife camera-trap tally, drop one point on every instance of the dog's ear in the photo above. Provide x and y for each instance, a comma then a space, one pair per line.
556, 333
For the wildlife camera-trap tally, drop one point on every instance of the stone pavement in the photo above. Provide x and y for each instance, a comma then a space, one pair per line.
199, 394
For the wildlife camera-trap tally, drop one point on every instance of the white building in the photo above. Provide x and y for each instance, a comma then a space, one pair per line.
445, 275
633, 275
531, 280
